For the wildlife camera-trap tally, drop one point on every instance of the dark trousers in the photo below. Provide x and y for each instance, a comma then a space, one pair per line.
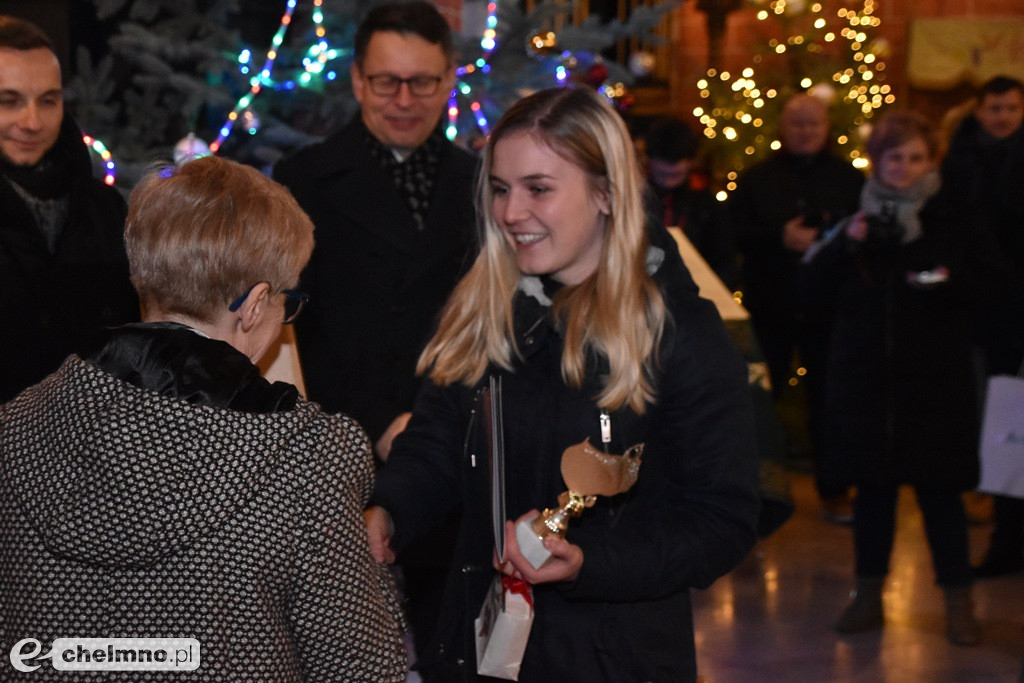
778, 337
1008, 534
874, 529
780, 334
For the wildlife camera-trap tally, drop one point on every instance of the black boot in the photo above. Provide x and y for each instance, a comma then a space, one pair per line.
961, 626
865, 612
1000, 561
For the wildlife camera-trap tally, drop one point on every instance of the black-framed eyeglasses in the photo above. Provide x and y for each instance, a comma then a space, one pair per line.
294, 302
388, 85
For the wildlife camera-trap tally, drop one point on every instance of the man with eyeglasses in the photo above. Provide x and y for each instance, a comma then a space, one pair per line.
63, 270
392, 202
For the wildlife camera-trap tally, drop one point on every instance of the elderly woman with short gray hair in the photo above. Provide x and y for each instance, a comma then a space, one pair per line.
161, 488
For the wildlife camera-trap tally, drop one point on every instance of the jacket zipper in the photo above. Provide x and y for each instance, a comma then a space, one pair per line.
466, 450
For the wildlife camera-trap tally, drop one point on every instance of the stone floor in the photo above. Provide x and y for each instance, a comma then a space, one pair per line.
771, 618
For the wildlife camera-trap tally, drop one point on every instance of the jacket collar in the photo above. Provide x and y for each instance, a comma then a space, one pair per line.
175, 361
324, 160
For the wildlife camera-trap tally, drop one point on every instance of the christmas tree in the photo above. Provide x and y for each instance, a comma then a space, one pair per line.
524, 54
198, 75
826, 49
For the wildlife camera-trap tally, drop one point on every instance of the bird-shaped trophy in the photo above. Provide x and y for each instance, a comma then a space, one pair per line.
588, 473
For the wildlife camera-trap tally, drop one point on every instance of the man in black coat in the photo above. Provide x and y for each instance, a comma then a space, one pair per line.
63, 271
984, 171
778, 209
392, 202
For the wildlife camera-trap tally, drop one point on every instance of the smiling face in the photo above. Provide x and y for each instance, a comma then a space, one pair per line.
31, 105
547, 209
902, 166
403, 120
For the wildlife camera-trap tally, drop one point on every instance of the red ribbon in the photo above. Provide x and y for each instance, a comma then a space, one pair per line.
510, 584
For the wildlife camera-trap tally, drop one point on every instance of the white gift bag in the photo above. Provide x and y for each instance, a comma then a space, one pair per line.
503, 628
1002, 437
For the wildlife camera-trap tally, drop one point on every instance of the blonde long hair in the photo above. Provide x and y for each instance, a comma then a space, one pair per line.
617, 312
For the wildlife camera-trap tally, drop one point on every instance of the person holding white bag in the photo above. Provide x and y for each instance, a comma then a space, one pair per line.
985, 164
589, 318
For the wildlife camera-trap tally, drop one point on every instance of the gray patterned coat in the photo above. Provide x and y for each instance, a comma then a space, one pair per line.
124, 513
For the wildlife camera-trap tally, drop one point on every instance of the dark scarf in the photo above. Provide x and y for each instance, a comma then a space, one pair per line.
175, 361
413, 177
45, 187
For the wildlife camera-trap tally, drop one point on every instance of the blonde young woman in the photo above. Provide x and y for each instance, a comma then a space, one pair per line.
581, 317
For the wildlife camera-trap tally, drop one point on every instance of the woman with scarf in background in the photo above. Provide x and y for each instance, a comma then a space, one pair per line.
900, 406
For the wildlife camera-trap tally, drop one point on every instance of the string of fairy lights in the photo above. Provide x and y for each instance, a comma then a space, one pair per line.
316, 65
109, 167
858, 85
488, 42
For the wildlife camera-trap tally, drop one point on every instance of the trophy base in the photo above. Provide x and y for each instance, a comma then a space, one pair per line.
531, 545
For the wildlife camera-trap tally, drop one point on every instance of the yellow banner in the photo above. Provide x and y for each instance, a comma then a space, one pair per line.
944, 53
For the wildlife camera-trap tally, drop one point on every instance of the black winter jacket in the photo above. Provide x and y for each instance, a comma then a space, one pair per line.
823, 188
689, 519
376, 283
58, 303
900, 397
984, 177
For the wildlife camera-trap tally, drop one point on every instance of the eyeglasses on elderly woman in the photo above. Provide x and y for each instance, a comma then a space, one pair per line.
294, 302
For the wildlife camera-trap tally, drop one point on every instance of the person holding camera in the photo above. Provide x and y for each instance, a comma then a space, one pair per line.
900, 407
